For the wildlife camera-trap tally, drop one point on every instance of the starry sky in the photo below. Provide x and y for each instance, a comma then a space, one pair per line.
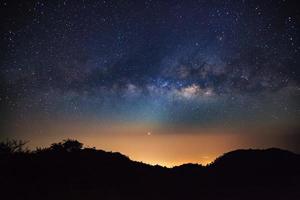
161, 81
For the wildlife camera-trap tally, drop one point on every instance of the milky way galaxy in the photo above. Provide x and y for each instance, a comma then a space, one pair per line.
160, 67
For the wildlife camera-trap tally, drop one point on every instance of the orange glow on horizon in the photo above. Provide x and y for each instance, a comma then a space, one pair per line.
149, 143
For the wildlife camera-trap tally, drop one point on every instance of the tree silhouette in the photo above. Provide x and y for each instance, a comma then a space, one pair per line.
13, 146
67, 145
67, 170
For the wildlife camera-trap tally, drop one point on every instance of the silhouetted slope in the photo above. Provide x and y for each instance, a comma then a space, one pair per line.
260, 174
271, 166
96, 174
254, 157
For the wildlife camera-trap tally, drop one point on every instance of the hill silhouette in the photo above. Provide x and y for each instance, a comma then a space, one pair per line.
66, 170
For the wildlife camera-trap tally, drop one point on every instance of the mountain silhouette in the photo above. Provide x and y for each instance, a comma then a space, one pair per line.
68, 171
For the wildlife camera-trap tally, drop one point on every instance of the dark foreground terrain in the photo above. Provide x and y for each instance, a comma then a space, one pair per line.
68, 171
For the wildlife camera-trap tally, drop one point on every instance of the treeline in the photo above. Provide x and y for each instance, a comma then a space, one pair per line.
13, 146
68, 170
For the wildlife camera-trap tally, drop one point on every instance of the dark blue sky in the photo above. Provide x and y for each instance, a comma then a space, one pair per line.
197, 62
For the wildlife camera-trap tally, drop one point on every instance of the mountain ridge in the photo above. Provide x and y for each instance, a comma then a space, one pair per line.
68, 171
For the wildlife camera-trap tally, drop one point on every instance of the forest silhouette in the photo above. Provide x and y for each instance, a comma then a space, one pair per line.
68, 170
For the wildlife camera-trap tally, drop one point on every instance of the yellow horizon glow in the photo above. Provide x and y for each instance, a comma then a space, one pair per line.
149, 143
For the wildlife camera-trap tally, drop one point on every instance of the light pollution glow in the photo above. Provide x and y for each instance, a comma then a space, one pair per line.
166, 146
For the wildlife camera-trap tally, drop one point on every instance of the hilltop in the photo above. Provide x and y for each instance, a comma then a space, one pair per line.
68, 171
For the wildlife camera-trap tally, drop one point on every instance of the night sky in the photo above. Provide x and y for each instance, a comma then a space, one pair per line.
164, 82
